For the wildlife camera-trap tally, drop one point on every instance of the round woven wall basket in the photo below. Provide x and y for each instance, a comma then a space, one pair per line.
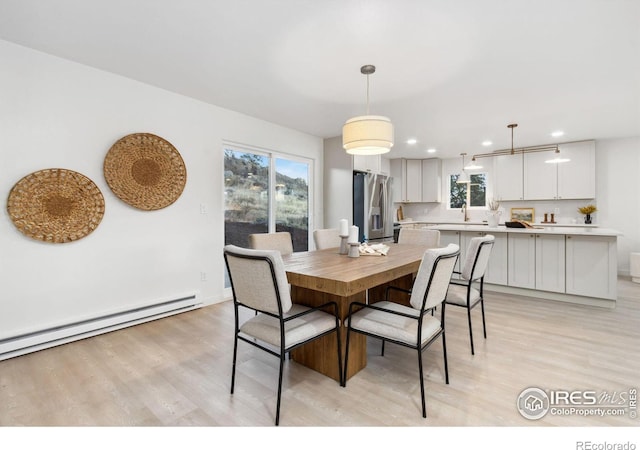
145, 171
56, 205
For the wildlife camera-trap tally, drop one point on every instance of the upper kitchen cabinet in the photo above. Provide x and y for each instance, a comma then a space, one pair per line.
419, 180
431, 180
527, 176
540, 177
575, 179
371, 163
508, 170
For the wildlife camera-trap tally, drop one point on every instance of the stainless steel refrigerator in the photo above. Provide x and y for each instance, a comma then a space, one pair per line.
373, 206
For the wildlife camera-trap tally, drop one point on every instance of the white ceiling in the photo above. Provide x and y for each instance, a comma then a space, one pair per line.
450, 73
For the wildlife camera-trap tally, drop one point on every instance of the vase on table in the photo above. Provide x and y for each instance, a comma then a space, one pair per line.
587, 219
493, 217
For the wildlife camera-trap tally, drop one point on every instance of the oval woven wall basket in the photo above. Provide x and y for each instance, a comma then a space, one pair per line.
145, 171
56, 205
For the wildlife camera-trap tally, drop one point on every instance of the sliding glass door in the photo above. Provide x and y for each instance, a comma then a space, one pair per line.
264, 193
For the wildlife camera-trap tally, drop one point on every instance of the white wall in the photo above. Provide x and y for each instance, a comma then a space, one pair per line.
338, 184
55, 113
618, 193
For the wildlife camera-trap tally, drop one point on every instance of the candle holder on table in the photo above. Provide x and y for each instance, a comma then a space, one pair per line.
344, 247
354, 249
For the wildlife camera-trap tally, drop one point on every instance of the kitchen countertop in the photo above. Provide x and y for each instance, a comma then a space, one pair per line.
484, 222
591, 231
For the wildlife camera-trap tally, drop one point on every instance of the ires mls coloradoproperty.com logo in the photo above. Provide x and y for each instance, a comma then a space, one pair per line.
534, 403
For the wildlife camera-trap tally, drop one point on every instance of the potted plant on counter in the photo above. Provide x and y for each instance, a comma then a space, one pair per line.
587, 211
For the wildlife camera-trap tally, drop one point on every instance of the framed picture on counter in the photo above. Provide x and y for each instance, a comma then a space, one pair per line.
526, 214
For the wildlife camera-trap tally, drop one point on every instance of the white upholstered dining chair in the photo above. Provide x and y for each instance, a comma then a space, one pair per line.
469, 290
410, 326
419, 236
326, 238
259, 283
280, 240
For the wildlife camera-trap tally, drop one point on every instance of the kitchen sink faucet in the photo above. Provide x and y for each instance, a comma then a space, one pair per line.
464, 211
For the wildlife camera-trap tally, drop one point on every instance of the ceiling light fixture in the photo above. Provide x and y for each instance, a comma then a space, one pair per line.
463, 177
557, 133
412, 141
367, 135
486, 143
473, 165
431, 150
557, 159
522, 151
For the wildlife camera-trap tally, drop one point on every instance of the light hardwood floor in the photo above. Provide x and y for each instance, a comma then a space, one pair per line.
176, 372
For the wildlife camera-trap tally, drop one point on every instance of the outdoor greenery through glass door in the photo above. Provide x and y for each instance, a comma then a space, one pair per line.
265, 194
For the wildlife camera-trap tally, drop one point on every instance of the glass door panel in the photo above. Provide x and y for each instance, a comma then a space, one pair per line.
292, 201
246, 196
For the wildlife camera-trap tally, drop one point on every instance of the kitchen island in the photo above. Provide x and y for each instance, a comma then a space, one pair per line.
571, 264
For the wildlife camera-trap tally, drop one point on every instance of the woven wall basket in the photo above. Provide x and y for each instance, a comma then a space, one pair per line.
145, 171
56, 205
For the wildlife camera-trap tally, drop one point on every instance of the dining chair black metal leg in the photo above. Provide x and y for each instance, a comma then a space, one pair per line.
444, 352
484, 326
424, 404
382, 352
346, 360
470, 330
233, 365
279, 388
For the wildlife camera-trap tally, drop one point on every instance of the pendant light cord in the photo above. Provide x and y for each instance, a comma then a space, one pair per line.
367, 94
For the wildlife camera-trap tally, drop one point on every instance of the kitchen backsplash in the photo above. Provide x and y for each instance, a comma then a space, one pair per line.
565, 211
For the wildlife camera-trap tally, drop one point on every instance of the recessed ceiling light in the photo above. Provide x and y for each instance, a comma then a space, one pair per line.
557, 133
431, 150
412, 141
486, 143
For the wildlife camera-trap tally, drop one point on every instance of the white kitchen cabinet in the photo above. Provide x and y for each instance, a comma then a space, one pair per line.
521, 260
528, 176
540, 178
385, 166
367, 163
508, 176
431, 180
591, 266
570, 180
418, 180
577, 178
413, 181
408, 172
550, 262
497, 268
399, 188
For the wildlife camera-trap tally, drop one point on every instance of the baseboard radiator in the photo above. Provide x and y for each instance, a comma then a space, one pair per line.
58, 335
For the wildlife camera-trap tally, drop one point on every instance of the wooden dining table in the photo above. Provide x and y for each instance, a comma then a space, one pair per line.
321, 276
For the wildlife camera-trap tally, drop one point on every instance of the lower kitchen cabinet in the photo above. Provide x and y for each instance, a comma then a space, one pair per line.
537, 261
550, 262
578, 266
522, 260
497, 268
591, 266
